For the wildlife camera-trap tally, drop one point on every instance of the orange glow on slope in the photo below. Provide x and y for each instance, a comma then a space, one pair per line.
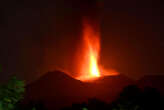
89, 54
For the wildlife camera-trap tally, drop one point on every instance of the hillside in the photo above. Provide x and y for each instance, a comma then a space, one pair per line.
57, 89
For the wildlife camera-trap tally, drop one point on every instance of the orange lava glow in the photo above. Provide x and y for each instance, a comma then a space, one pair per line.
91, 49
92, 52
89, 67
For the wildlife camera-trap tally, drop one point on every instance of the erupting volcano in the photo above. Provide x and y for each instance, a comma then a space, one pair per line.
90, 52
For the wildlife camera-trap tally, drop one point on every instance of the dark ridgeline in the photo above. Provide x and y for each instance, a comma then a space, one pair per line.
154, 81
57, 89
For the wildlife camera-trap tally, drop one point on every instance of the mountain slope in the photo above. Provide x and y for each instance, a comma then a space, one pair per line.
57, 89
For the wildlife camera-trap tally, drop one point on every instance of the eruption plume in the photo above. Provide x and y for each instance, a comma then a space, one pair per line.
89, 66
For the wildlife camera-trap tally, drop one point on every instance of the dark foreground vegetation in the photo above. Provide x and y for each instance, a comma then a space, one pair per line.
131, 98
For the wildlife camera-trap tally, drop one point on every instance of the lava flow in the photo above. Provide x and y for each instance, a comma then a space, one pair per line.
89, 54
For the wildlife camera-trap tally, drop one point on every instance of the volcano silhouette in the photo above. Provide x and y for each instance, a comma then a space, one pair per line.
57, 89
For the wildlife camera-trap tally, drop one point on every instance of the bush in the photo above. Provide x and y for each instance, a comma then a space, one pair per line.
11, 93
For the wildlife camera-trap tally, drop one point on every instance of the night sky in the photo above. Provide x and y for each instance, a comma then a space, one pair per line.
38, 36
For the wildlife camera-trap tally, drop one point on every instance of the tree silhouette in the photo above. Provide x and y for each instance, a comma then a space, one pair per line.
11, 93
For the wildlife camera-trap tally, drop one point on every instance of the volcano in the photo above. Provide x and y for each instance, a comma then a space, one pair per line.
57, 89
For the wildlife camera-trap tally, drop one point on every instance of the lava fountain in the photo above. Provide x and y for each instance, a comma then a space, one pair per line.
89, 67
91, 47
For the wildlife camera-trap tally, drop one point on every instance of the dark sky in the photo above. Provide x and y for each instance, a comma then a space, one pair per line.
39, 36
